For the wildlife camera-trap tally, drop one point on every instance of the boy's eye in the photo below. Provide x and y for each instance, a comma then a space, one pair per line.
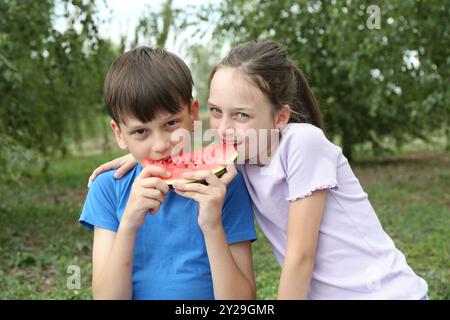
171, 123
139, 133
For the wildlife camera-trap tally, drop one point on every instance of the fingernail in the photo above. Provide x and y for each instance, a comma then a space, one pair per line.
167, 174
89, 183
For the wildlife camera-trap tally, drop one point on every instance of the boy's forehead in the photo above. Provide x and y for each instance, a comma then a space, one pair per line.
132, 121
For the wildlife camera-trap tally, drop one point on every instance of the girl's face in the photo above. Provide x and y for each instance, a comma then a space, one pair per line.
243, 114
154, 140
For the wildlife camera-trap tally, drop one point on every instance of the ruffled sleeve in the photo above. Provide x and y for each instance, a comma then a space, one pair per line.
310, 160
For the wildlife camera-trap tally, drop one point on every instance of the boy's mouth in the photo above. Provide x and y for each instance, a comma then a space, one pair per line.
163, 159
168, 158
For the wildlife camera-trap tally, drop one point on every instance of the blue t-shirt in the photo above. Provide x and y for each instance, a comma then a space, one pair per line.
170, 259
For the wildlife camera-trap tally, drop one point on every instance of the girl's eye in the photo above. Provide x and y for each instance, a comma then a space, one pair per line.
215, 110
241, 115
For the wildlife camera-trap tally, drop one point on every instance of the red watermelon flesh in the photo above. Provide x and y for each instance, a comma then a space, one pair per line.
214, 157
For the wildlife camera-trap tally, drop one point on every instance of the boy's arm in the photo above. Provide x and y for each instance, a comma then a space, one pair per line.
231, 266
112, 262
113, 252
304, 220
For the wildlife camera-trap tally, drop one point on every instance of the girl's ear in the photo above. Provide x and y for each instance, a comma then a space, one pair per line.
118, 133
194, 110
282, 116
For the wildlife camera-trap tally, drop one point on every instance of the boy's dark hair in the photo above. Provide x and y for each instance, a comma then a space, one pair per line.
146, 81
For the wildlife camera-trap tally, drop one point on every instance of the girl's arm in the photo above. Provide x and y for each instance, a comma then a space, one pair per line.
123, 164
231, 265
304, 220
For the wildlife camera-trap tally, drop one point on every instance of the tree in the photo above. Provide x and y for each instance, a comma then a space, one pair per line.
202, 60
155, 25
51, 81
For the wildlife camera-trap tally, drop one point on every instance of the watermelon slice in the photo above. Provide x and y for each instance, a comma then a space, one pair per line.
213, 157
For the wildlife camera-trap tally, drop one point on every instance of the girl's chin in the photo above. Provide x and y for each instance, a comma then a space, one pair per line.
245, 155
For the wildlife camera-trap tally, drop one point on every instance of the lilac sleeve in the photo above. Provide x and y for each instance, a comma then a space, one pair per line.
310, 162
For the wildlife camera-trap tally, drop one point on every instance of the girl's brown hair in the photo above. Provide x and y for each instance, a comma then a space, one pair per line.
279, 78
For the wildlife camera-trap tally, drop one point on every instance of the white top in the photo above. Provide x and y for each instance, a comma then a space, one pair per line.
355, 258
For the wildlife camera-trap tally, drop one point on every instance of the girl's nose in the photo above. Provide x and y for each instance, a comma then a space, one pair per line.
226, 130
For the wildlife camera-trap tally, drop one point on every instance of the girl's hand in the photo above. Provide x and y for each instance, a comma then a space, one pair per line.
210, 197
147, 195
123, 164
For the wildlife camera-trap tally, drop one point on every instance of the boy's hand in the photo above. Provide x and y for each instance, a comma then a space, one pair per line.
209, 197
123, 164
147, 194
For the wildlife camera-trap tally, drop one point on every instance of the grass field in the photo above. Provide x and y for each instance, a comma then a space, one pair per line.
40, 237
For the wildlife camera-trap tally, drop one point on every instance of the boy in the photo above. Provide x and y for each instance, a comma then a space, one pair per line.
184, 249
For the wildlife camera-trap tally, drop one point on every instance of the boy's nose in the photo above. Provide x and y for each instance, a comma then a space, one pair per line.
160, 146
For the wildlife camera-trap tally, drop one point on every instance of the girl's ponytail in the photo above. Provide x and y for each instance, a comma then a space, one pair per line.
305, 107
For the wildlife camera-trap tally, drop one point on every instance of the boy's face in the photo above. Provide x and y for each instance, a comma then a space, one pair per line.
152, 140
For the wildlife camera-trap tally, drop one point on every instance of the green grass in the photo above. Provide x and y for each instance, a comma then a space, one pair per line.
40, 237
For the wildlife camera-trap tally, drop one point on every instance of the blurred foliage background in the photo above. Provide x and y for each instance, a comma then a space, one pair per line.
382, 85
378, 88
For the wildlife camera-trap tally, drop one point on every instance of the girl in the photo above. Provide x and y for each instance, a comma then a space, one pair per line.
306, 199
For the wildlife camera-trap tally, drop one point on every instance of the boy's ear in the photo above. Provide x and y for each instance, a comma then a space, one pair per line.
282, 117
194, 110
118, 133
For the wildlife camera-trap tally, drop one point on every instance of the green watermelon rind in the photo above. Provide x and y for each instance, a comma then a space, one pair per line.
219, 171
